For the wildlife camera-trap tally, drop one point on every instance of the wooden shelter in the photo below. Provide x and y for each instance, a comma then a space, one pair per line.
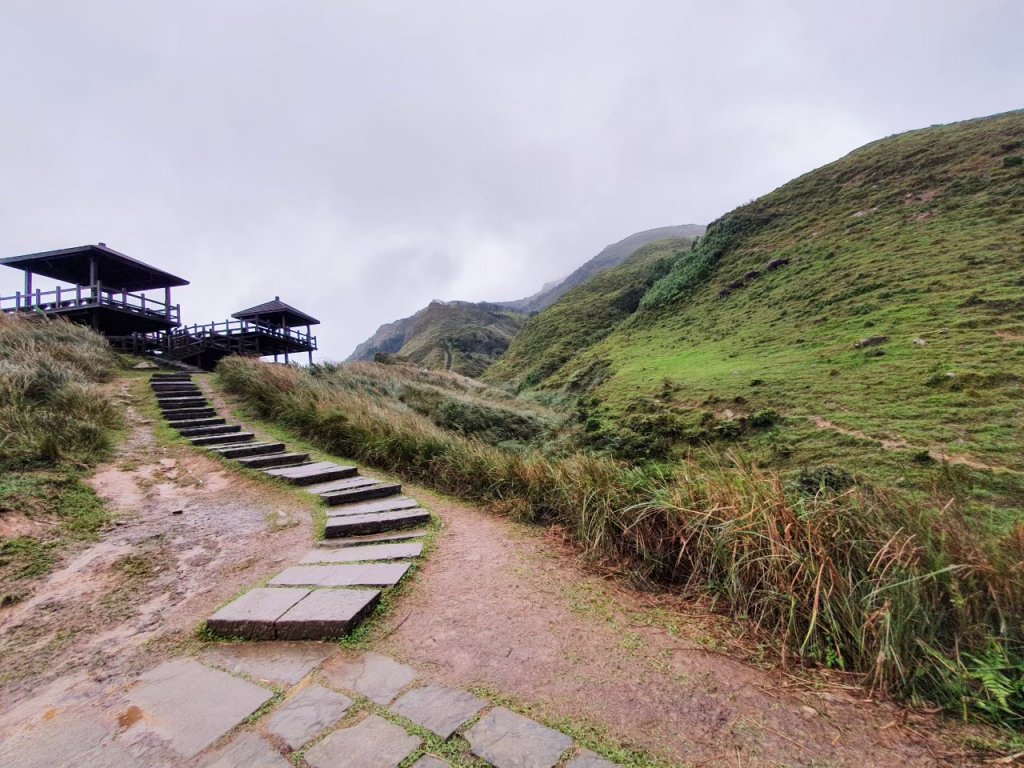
107, 291
271, 328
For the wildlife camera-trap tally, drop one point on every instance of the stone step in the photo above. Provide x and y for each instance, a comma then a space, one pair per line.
157, 377
372, 538
390, 504
173, 389
169, 403
273, 460
210, 421
248, 449
235, 437
217, 429
344, 484
344, 575
364, 553
357, 525
177, 414
377, 491
290, 613
318, 472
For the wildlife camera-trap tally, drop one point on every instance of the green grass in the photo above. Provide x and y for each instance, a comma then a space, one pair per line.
56, 421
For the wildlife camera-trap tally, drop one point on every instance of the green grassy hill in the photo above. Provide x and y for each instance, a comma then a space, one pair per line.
446, 335
584, 315
869, 314
610, 256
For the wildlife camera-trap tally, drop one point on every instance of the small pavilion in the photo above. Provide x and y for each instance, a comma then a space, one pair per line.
272, 329
106, 291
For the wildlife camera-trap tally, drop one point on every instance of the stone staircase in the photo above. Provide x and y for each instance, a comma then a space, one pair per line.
372, 537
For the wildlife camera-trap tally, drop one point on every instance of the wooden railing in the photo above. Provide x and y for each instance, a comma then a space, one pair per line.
188, 334
82, 296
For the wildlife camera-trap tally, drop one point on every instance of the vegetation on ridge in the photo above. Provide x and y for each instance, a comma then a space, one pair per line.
54, 421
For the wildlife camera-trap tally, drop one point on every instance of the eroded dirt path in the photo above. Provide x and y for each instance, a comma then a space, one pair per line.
188, 535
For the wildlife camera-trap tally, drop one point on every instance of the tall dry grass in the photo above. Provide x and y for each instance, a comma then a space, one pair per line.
51, 408
899, 591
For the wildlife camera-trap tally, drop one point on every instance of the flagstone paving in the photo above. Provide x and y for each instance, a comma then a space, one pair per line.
376, 677
190, 705
248, 750
508, 740
307, 714
439, 709
372, 743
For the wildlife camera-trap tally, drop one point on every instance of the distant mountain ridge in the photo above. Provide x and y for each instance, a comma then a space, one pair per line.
611, 256
459, 336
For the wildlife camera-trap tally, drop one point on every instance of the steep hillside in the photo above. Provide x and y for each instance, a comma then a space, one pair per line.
869, 314
610, 256
583, 316
446, 335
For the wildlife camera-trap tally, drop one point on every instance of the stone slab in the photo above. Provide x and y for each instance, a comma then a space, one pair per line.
391, 504
313, 472
234, 437
588, 759
247, 750
349, 541
248, 449
341, 484
67, 740
365, 493
279, 663
371, 743
429, 761
509, 740
273, 460
363, 553
375, 523
306, 714
344, 575
252, 615
376, 677
191, 705
216, 429
326, 613
439, 709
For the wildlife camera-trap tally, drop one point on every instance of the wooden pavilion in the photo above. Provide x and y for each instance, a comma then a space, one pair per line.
271, 328
106, 292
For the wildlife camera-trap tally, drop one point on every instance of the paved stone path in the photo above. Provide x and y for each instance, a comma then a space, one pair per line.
332, 589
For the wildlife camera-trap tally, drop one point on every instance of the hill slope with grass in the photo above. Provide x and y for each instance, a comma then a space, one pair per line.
583, 316
868, 314
455, 336
610, 256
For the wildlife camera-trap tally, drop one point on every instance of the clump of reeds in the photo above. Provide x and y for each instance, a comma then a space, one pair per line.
895, 589
51, 408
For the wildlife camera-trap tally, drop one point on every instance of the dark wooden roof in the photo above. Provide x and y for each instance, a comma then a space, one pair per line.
114, 269
277, 312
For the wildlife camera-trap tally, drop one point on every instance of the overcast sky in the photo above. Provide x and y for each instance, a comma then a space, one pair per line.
361, 158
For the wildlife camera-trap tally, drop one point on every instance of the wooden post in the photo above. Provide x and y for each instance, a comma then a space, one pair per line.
28, 283
58, 297
309, 344
167, 302
17, 299
143, 303
94, 279
78, 295
39, 299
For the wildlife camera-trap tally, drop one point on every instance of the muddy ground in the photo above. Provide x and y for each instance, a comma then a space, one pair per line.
498, 607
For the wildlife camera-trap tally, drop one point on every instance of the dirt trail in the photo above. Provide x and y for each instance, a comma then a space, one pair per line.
899, 444
188, 535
